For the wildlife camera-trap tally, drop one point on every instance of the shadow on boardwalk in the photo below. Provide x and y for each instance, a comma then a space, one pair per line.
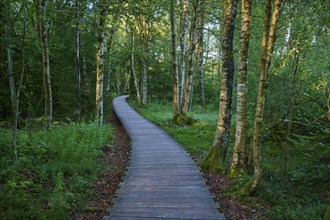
162, 181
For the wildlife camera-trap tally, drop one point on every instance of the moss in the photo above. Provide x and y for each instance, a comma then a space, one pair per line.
235, 171
245, 191
183, 119
213, 160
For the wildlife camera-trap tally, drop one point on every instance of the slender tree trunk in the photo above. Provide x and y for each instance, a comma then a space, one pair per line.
144, 77
46, 66
78, 73
191, 57
144, 30
216, 156
11, 77
239, 153
328, 103
118, 84
175, 74
201, 51
84, 68
268, 39
292, 106
183, 45
99, 68
109, 51
135, 78
23, 61
20, 84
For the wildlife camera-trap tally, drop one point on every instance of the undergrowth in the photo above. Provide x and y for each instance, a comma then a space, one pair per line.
295, 181
54, 172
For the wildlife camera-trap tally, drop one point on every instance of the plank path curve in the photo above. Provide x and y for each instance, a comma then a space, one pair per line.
162, 181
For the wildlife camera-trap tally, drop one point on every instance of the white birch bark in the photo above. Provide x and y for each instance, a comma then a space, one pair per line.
183, 45
175, 74
239, 153
99, 68
45, 62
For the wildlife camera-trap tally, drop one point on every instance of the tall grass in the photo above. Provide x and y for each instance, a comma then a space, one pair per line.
54, 171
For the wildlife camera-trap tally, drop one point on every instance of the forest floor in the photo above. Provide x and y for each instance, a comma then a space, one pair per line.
116, 160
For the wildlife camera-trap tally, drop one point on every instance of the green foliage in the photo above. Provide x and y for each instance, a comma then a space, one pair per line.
54, 171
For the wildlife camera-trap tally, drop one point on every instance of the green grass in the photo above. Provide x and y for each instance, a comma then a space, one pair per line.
196, 138
54, 171
299, 191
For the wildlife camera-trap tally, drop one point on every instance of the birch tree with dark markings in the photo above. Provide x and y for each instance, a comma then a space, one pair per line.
267, 47
45, 61
77, 60
175, 73
183, 45
100, 62
239, 153
214, 160
201, 51
191, 58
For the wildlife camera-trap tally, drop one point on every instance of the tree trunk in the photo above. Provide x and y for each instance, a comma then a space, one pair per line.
175, 74
109, 51
328, 103
135, 78
78, 73
45, 62
84, 68
99, 68
191, 58
201, 51
118, 80
216, 156
144, 29
268, 39
183, 45
144, 78
239, 153
292, 105
11, 77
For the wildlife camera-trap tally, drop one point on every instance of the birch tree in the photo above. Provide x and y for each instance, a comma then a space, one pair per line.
77, 60
183, 45
201, 51
214, 160
10, 74
267, 46
175, 74
135, 78
45, 63
191, 58
100, 62
143, 28
239, 153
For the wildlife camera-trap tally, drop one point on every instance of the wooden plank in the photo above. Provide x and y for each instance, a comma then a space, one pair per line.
167, 202
211, 215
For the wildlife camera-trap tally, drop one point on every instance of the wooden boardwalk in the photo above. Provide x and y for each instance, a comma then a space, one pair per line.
162, 181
